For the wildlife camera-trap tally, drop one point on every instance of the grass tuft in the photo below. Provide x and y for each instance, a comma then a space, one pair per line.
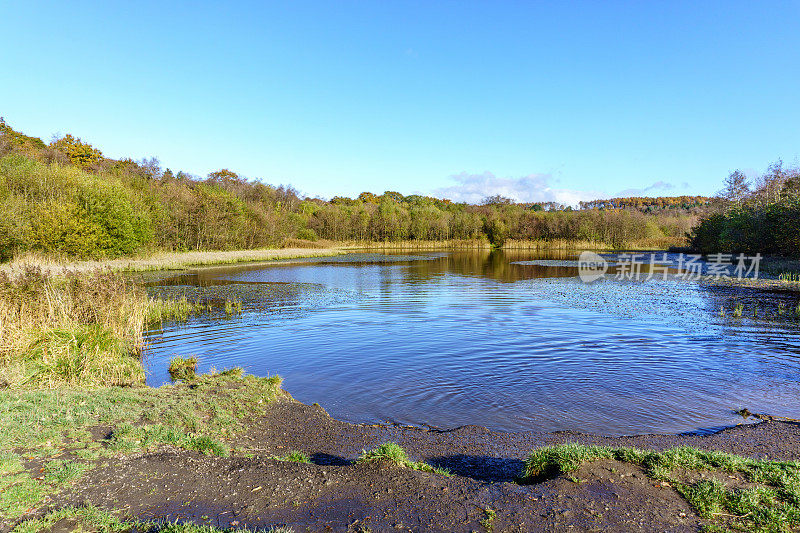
182, 368
394, 453
295, 457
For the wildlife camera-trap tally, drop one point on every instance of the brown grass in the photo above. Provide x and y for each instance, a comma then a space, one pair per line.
159, 261
80, 328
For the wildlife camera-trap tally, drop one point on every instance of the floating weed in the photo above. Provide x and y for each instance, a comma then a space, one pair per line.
781, 308
392, 452
738, 310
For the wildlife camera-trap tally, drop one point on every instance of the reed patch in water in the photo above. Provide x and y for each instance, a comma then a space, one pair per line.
79, 328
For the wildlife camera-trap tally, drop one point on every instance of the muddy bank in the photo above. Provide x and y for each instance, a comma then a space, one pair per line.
333, 494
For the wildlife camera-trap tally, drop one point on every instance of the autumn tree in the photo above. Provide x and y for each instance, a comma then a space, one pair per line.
79, 153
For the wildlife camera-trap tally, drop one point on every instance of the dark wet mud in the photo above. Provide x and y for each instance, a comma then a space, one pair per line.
335, 494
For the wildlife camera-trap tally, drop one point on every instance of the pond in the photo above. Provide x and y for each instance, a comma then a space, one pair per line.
511, 341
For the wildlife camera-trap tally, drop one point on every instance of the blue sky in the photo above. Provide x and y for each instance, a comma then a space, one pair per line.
536, 100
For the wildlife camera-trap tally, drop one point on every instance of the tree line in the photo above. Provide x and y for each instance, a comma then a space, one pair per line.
66, 197
753, 216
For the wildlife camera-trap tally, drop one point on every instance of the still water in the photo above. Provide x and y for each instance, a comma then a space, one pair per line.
509, 341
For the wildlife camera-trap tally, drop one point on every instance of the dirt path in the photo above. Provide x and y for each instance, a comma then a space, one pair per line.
333, 494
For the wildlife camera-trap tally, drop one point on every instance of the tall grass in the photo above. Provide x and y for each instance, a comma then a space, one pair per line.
82, 329
790, 277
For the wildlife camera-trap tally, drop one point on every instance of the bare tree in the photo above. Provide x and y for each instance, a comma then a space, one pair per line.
737, 187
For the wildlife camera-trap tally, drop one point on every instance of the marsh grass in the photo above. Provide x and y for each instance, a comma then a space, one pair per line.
81, 329
393, 453
56, 264
232, 306
773, 503
789, 277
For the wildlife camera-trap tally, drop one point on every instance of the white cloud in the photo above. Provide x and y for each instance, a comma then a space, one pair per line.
473, 188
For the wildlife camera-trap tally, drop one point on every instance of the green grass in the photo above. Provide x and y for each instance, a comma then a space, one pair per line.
392, 452
45, 424
488, 519
59, 472
295, 457
772, 504
94, 519
178, 309
790, 277
182, 368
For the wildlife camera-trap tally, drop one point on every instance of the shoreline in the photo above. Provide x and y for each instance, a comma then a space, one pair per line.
256, 486
294, 249
169, 260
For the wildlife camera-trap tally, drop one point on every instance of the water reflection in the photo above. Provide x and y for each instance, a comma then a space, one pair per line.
475, 337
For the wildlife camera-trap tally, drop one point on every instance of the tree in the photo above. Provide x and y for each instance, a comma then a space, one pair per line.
737, 186
497, 200
224, 177
496, 231
79, 153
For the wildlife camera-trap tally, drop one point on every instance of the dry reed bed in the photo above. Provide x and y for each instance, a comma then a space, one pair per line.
79, 328
161, 260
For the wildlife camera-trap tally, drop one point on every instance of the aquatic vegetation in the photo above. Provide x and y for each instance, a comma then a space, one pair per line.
177, 309
232, 306
737, 310
81, 329
182, 368
790, 277
773, 503
392, 452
